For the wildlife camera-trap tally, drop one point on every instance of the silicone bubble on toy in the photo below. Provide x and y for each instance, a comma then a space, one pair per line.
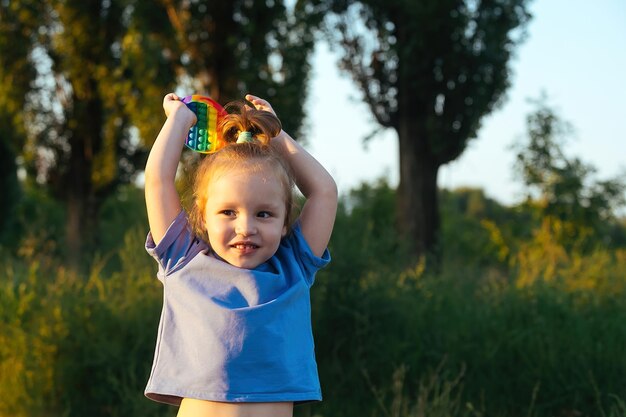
203, 136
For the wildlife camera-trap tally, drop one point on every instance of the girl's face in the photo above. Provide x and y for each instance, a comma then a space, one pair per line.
245, 216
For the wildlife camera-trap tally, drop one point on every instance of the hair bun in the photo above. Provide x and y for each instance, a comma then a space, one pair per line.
260, 125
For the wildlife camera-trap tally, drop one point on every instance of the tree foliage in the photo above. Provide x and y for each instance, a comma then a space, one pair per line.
76, 104
16, 72
561, 186
430, 70
230, 48
84, 82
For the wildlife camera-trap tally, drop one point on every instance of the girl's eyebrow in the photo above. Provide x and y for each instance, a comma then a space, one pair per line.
261, 206
271, 206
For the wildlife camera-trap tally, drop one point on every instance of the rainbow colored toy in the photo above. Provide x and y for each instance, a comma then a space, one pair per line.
203, 136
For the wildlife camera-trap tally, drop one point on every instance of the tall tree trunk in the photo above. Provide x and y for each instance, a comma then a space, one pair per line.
74, 228
9, 185
418, 205
80, 194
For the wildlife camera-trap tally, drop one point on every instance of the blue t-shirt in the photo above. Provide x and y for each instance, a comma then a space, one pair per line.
232, 334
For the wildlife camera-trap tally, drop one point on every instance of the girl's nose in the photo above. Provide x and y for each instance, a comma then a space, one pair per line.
245, 226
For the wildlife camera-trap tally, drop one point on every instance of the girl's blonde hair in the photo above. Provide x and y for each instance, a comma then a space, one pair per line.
250, 156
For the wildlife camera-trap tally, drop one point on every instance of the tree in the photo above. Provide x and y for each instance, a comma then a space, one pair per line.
229, 48
98, 70
563, 187
74, 106
430, 70
16, 73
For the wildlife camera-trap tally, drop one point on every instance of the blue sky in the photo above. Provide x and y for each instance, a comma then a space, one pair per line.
575, 52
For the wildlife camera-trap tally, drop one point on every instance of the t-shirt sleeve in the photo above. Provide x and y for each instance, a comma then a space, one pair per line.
178, 246
309, 263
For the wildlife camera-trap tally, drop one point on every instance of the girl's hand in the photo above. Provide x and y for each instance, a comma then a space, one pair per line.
260, 104
172, 104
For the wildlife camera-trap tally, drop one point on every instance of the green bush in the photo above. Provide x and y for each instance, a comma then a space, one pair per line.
79, 346
535, 350
37, 228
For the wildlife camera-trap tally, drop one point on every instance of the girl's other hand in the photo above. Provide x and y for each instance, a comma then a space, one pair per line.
260, 104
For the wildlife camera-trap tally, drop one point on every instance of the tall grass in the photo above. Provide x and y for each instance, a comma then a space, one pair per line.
513, 334
75, 345
525, 351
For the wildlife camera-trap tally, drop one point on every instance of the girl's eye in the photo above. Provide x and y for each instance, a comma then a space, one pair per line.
264, 214
228, 212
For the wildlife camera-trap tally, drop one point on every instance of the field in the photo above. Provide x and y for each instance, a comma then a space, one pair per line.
517, 320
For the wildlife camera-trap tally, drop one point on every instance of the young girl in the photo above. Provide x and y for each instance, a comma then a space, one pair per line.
235, 333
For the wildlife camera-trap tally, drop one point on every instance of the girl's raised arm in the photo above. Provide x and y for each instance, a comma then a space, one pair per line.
318, 186
162, 200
